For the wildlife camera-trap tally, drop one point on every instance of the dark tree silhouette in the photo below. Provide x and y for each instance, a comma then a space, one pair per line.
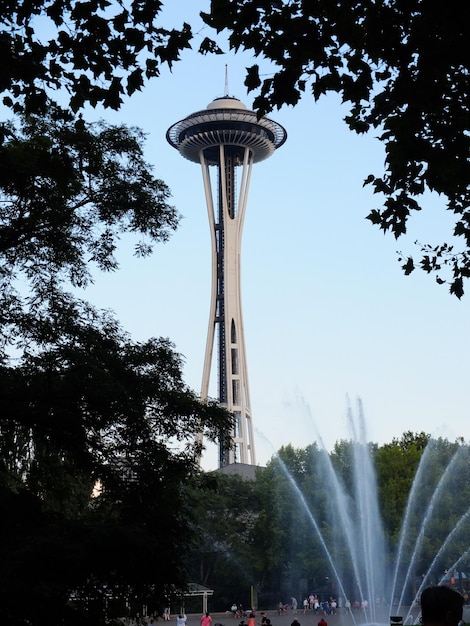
403, 67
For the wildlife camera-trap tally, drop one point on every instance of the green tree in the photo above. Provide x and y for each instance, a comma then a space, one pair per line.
221, 557
87, 407
69, 190
271, 529
396, 464
402, 67
287, 553
95, 51
82, 404
423, 495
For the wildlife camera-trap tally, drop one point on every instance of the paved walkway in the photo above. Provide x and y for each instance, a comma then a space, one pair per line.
310, 618
357, 618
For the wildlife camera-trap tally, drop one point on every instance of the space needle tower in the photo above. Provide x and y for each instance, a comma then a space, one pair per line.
229, 138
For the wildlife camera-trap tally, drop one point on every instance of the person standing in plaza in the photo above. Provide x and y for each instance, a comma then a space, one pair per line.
206, 620
181, 620
265, 621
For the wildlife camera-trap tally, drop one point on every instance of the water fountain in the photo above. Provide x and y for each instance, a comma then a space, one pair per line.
388, 579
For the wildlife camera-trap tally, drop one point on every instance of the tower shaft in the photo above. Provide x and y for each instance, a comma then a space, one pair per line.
229, 138
226, 219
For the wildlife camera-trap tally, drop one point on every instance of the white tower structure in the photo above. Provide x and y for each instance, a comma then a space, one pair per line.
230, 138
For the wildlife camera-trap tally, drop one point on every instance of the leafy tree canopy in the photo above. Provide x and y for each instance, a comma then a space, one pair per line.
68, 190
81, 402
422, 492
403, 68
97, 51
221, 554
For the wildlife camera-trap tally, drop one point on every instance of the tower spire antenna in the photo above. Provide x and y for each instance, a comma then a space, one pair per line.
226, 80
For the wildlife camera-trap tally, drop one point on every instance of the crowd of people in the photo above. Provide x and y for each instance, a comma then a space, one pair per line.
331, 606
327, 607
439, 605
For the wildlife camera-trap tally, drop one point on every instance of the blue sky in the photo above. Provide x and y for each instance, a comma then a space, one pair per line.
328, 315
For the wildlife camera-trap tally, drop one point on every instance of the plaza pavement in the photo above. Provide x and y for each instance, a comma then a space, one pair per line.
310, 618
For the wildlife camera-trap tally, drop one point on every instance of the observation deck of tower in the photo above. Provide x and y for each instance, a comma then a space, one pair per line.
228, 137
